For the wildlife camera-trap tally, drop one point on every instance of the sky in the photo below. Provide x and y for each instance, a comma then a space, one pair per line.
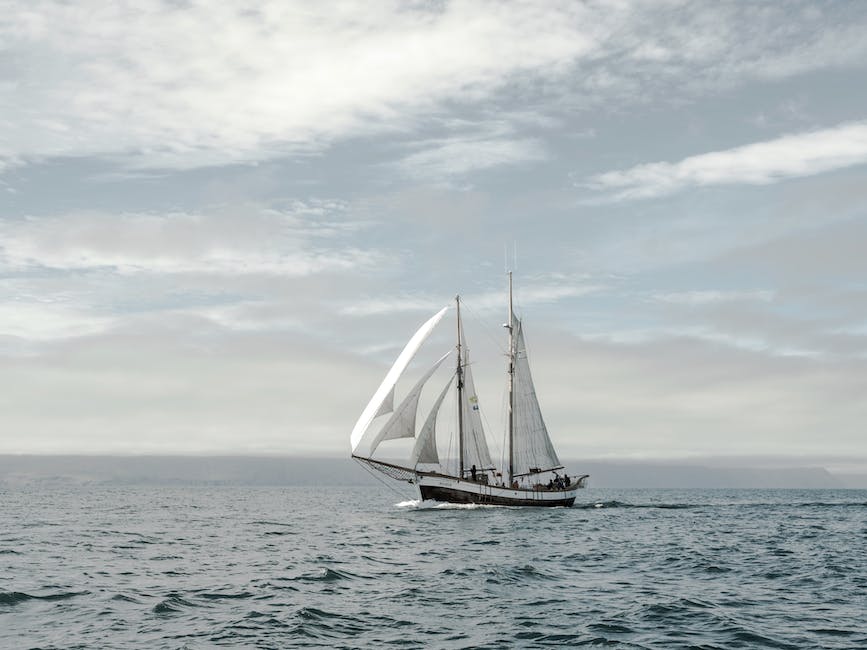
220, 222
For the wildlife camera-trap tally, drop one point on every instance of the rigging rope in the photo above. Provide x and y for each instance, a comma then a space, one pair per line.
486, 328
378, 478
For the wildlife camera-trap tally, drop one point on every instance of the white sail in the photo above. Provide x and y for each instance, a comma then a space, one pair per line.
475, 450
401, 424
387, 405
532, 448
425, 450
385, 392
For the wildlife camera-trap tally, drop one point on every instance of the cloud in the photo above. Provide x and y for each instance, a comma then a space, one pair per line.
706, 297
182, 85
826, 257
155, 388
250, 240
148, 389
685, 394
188, 85
243, 268
477, 143
456, 157
46, 320
760, 163
528, 294
374, 307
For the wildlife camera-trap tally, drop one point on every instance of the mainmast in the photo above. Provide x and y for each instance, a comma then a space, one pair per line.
460, 374
511, 328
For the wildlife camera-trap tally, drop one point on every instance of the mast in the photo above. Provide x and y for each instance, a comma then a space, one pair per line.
511, 384
460, 374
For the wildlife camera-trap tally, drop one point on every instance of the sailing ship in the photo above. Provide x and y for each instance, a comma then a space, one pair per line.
530, 476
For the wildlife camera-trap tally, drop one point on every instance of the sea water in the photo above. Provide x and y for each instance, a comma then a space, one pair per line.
244, 567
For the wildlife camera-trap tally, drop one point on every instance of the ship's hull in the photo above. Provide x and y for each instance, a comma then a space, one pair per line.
451, 489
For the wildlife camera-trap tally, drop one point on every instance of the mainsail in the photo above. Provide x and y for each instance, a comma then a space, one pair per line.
383, 398
532, 449
475, 451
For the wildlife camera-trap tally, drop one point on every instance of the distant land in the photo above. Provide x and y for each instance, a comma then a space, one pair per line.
277, 470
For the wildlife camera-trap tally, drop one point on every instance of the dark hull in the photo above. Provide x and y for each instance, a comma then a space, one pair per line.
448, 495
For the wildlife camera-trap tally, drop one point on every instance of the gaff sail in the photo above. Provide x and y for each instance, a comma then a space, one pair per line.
532, 450
475, 450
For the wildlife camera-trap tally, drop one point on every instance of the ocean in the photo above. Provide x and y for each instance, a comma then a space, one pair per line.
99, 566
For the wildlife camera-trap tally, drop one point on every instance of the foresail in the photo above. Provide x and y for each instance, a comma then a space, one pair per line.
475, 445
532, 447
425, 450
401, 424
379, 403
387, 405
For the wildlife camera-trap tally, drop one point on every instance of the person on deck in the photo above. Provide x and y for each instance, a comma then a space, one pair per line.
473, 472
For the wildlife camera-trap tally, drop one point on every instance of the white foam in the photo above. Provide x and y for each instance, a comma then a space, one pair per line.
430, 504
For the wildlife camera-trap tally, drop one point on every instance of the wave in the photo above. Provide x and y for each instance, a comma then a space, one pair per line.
624, 504
376, 560
278, 583
11, 598
755, 640
517, 574
735, 504
821, 504
173, 604
224, 596
125, 599
329, 575
318, 623
610, 628
316, 614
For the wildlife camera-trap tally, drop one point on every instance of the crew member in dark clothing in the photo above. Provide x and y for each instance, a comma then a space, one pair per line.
473, 472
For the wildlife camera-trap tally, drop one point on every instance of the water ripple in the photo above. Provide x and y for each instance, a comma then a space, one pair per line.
257, 567
10, 598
